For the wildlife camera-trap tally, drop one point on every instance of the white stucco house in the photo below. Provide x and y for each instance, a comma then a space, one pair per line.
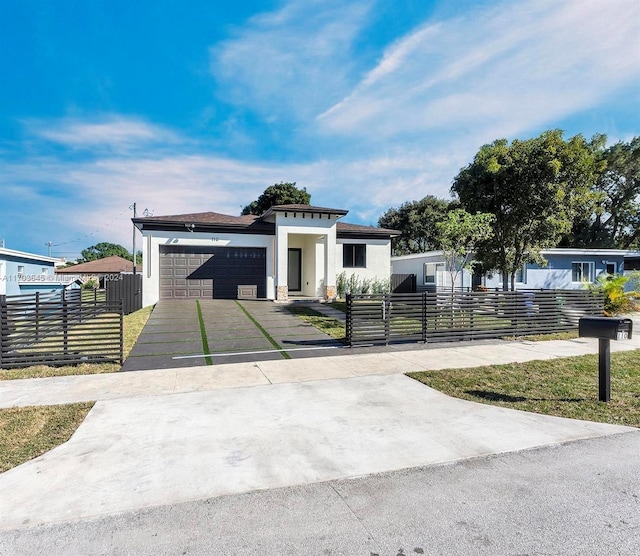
290, 250
566, 268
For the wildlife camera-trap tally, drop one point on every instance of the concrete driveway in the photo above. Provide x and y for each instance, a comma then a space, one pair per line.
139, 452
180, 332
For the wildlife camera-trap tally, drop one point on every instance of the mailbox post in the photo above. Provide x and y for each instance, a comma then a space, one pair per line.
605, 329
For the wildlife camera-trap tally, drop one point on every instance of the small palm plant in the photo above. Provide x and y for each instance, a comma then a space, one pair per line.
616, 300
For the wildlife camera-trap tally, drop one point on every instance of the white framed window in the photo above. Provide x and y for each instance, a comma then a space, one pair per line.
45, 271
431, 272
582, 271
611, 268
20, 269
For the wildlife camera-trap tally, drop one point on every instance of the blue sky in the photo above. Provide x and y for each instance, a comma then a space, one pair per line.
192, 106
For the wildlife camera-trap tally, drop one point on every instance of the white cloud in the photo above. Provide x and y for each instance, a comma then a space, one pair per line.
114, 132
74, 199
292, 62
508, 69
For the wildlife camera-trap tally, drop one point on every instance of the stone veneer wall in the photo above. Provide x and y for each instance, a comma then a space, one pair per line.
282, 293
330, 293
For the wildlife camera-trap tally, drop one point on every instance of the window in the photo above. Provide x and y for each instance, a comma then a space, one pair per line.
431, 272
521, 275
20, 269
611, 268
582, 272
354, 255
45, 271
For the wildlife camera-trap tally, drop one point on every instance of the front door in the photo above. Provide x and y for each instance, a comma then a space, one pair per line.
294, 271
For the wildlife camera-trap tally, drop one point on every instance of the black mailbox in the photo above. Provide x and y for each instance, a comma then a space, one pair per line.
605, 328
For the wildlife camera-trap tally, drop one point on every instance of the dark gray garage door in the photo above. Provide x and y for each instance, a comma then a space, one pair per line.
211, 272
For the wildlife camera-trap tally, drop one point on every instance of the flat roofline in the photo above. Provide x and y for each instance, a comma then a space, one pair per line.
24, 255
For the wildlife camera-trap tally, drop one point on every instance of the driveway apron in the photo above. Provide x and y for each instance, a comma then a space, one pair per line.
180, 333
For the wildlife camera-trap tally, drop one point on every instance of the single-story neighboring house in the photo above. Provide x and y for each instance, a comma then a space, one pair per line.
566, 269
100, 269
24, 273
431, 272
289, 250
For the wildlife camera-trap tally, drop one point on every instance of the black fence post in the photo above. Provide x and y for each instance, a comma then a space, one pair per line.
37, 315
65, 326
348, 324
424, 317
121, 334
386, 310
4, 327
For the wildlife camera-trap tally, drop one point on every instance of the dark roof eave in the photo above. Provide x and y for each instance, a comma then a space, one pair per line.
263, 228
363, 234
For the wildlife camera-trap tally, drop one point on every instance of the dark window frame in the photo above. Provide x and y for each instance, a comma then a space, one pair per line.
354, 255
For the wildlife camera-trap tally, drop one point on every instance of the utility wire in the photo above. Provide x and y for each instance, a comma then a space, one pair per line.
91, 233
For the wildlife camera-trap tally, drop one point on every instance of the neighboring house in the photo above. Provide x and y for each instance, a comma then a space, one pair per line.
100, 270
289, 250
565, 269
431, 272
25, 273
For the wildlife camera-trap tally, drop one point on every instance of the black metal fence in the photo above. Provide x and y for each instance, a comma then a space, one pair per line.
128, 288
453, 316
59, 329
403, 283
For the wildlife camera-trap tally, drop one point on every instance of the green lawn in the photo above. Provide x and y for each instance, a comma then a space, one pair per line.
27, 432
565, 387
328, 325
133, 325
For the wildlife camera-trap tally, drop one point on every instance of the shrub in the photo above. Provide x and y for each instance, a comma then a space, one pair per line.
90, 284
341, 284
616, 300
365, 286
353, 284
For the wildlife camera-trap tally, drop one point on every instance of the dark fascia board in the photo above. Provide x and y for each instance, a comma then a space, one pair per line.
364, 234
303, 209
261, 228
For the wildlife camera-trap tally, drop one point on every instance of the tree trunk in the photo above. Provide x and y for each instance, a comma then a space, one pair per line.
505, 281
513, 281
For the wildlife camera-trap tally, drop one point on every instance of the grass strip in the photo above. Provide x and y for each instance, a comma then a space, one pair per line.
264, 332
339, 305
566, 387
203, 334
569, 335
28, 432
330, 326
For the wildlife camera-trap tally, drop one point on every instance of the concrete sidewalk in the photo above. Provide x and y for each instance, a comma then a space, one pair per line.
389, 360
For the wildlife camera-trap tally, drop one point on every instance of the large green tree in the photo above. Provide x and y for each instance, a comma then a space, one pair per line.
278, 194
612, 217
417, 221
103, 250
534, 188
